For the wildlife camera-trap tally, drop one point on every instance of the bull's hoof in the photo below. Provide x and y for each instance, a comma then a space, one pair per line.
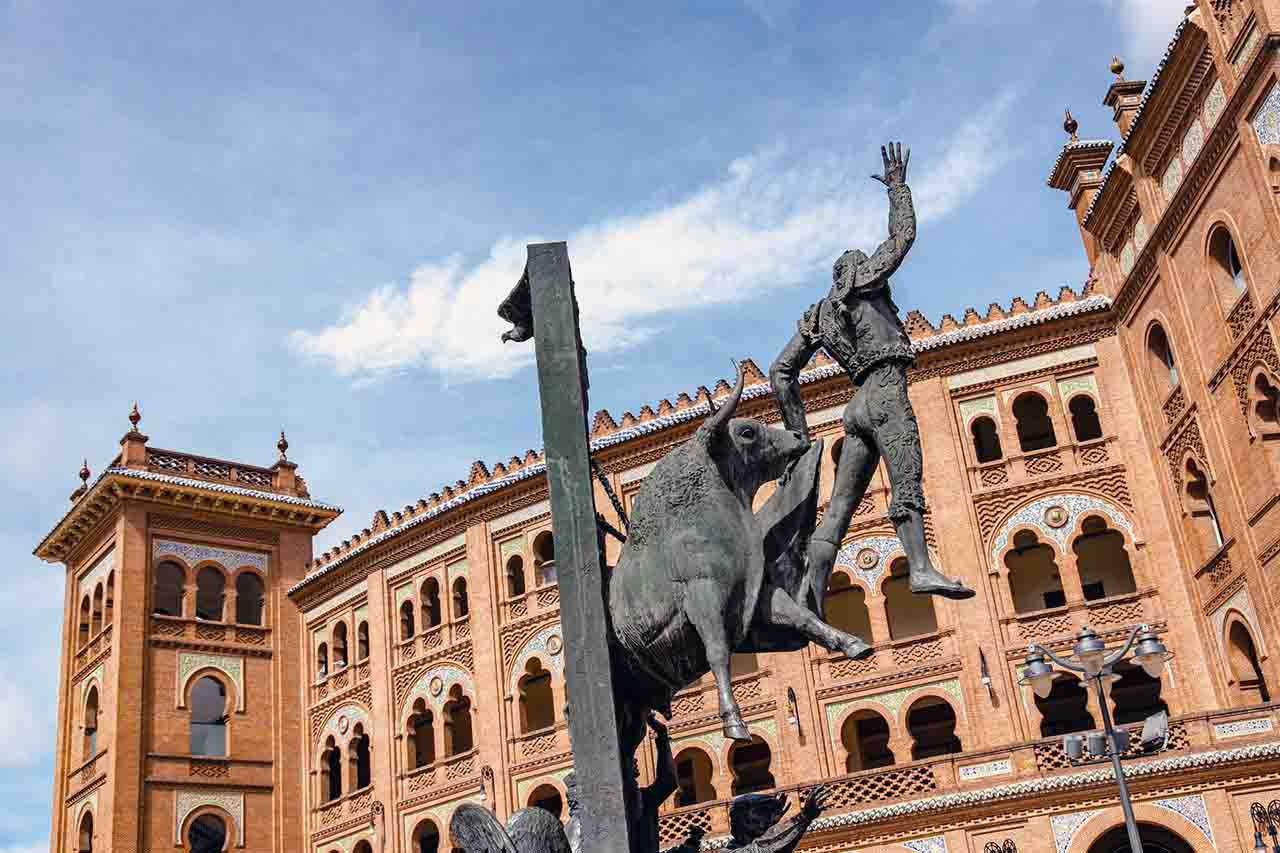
855, 648
735, 728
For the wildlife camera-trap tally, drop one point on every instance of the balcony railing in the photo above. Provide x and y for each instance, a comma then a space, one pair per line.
540, 600
1065, 458
892, 656
1132, 608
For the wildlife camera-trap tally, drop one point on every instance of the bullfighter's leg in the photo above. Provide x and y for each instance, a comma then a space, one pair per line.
857, 462
892, 422
705, 606
777, 607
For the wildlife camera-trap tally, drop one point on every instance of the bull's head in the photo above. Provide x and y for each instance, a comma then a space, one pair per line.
748, 452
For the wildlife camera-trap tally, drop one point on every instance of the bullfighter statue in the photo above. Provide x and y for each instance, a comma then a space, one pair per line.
859, 327
753, 815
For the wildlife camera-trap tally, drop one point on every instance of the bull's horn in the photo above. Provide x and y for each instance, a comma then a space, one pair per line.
720, 417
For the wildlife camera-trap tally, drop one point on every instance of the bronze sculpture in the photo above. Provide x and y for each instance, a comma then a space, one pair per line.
858, 326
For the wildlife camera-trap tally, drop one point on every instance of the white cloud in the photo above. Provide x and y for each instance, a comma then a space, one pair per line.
771, 221
1148, 25
26, 743
769, 11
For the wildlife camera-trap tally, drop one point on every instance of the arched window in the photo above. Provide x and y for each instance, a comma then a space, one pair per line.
544, 559
85, 841
457, 723
1160, 359
95, 627
331, 771
1264, 406
361, 771
750, 763
537, 705
1135, 695
1034, 581
84, 621
167, 592
426, 838
515, 576
322, 660
249, 599
909, 615
1226, 267
208, 717
91, 723
1065, 709
1202, 513
1084, 418
1035, 427
846, 607
406, 620
986, 440
1250, 685
210, 585
110, 600
340, 658
362, 641
461, 607
208, 834
422, 736
932, 725
865, 737
362, 847
1103, 560
694, 774
547, 797
430, 603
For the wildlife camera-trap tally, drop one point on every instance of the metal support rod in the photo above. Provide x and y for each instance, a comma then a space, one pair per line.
1126, 805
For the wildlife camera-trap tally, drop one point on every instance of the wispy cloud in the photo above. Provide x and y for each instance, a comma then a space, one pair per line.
770, 222
769, 11
1148, 25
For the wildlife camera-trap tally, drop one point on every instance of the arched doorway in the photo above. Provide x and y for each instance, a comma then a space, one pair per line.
547, 797
1155, 839
208, 834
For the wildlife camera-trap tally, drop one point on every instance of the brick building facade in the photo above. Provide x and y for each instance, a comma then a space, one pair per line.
1109, 457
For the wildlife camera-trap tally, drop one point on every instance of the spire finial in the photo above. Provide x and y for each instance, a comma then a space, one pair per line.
135, 416
84, 473
1070, 125
1117, 67
283, 446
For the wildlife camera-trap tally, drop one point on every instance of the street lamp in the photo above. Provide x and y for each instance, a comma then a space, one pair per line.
1089, 657
1266, 819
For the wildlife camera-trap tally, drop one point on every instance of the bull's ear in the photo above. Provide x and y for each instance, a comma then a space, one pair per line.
719, 419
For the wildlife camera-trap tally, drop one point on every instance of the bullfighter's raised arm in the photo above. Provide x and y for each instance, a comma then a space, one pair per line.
872, 272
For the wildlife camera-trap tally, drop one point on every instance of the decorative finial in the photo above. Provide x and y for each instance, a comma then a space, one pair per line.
1117, 67
1070, 125
84, 473
135, 416
282, 445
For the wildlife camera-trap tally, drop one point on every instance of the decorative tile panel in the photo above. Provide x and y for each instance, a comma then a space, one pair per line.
1074, 505
1193, 809
433, 687
716, 742
1241, 728
891, 701
1067, 387
98, 675
1246, 49
532, 511
1214, 103
1139, 234
103, 567
932, 844
342, 721
1192, 142
1266, 121
547, 646
1126, 258
1065, 827
999, 767
229, 558
983, 405
1172, 177
187, 800
232, 667
633, 475
427, 555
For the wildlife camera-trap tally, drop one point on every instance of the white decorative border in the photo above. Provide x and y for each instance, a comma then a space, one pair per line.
354, 714
101, 568
98, 675
892, 701
1076, 505
1242, 603
192, 555
539, 646
231, 667
715, 741
1192, 808
185, 801
932, 844
884, 547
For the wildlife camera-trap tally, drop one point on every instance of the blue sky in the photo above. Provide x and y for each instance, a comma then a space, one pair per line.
302, 216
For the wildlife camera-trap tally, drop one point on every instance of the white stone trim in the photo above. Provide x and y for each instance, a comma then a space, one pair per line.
190, 663
996, 767
187, 800
193, 555
1065, 827
1242, 728
547, 646
1076, 505
433, 688
1192, 808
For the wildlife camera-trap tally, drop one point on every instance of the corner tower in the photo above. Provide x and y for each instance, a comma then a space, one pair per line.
177, 720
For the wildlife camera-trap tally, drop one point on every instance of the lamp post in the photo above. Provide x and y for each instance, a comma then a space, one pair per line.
1089, 658
1266, 819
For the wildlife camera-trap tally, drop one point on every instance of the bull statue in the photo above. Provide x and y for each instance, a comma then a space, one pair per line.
702, 575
